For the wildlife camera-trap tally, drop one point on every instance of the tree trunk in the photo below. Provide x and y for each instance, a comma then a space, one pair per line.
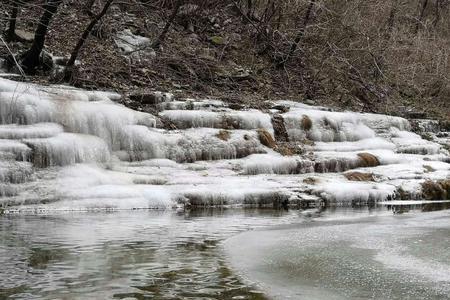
31, 57
391, 20
163, 33
11, 33
82, 40
421, 16
300, 34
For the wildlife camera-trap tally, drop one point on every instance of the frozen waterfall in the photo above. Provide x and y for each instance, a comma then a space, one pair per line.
68, 149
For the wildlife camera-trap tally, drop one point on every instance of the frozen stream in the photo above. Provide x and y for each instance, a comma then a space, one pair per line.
343, 253
375, 257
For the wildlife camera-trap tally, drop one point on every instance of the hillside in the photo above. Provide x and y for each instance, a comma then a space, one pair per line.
384, 56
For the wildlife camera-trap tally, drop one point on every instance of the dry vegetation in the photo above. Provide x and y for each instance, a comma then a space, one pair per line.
383, 56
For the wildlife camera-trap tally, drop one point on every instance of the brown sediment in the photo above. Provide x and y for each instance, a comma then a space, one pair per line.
224, 135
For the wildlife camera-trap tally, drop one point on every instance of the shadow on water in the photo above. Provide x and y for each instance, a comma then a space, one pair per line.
422, 206
41, 257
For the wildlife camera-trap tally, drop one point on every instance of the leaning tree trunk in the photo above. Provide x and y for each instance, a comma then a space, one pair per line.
300, 34
11, 33
73, 57
31, 57
163, 33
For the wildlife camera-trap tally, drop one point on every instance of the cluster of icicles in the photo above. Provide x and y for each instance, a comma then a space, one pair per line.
69, 149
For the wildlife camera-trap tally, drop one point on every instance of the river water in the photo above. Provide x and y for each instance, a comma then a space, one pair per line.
225, 254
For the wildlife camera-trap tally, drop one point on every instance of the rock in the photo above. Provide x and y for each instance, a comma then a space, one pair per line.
368, 160
310, 180
289, 149
436, 190
280, 131
217, 40
240, 74
282, 108
236, 106
224, 135
150, 98
306, 123
416, 115
310, 102
410, 113
24, 36
266, 138
134, 46
359, 176
444, 125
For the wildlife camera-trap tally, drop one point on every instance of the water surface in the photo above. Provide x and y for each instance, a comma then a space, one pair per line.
403, 256
129, 254
226, 254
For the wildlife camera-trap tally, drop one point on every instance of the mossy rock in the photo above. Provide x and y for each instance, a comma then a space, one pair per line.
217, 40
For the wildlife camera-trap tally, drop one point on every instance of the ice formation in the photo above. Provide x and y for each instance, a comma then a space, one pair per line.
69, 149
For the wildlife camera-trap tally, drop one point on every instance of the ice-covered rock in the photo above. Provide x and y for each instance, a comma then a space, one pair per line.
67, 149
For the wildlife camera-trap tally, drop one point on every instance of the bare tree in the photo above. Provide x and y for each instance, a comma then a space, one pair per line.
163, 33
71, 62
11, 32
300, 34
31, 58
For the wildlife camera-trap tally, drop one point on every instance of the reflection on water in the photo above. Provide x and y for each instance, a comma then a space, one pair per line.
138, 254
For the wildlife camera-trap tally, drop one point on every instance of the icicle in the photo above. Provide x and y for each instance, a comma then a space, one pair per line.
66, 149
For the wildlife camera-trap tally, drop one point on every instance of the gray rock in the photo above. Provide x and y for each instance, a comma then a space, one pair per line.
310, 102
24, 36
151, 97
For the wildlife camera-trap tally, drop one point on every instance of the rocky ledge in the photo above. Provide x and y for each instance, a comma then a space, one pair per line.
69, 149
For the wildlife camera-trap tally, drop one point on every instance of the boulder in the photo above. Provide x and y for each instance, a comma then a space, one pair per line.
359, 176
266, 138
24, 36
150, 97
368, 160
